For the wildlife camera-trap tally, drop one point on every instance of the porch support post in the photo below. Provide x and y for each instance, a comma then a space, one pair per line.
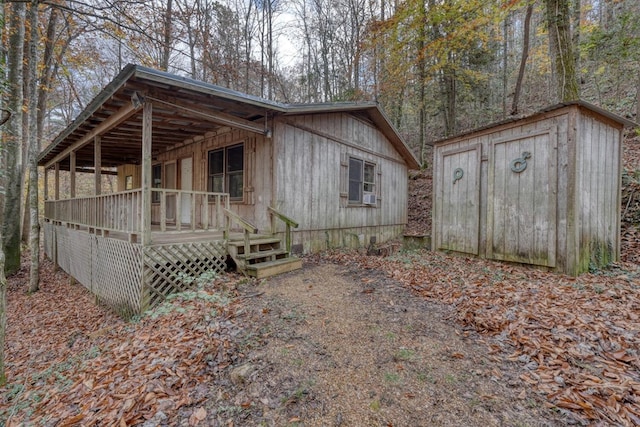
97, 164
72, 172
147, 115
46, 184
56, 191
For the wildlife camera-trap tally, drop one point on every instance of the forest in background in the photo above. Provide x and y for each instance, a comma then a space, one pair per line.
436, 67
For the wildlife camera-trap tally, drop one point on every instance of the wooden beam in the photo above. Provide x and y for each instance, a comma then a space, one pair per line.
121, 115
221, 118
72, 174
147, 130
97, 164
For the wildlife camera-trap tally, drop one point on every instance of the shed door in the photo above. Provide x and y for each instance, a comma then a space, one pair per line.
522, 195
459, 211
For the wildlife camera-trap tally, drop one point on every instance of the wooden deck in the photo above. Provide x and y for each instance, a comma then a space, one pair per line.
131, 265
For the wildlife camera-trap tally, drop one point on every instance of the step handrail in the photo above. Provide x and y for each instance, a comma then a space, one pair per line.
248, 227
288, 223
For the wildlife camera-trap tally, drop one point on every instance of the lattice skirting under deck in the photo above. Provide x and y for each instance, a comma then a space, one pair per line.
125, 276
166, 266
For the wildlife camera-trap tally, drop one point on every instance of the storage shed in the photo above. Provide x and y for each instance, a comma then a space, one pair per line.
542, 190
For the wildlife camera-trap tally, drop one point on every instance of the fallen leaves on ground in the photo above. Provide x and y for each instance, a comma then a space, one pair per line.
72, 362
577, 339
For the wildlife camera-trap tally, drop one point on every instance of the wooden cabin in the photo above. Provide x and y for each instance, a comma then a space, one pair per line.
541, 190
205, 173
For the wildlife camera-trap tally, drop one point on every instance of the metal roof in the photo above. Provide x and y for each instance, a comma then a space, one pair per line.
183, 108
583, 104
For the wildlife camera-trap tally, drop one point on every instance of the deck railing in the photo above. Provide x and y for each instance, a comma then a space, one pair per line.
171, 210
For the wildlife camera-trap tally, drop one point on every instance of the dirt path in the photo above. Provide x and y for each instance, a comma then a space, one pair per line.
329, 346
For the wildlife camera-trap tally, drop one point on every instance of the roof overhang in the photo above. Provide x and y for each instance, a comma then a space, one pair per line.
615, 118
183, 109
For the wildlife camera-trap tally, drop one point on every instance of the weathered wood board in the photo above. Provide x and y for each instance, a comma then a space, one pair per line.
459, 227
522, 198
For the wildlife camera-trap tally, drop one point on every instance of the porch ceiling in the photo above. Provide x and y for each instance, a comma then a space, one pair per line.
179, 114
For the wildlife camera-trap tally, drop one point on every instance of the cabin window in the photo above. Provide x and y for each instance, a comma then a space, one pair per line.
361, 180
226, 171
156, 182
128, 182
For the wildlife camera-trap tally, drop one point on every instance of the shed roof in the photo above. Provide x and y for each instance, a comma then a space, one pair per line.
183, 108
623, 122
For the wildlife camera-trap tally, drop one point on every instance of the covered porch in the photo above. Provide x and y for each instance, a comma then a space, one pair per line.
133, 245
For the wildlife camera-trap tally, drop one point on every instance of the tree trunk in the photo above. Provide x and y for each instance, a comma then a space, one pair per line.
34, 150
562, 49
575, 39
523, 60
422, 75
166, 45
12, 139
505, 64
3, 312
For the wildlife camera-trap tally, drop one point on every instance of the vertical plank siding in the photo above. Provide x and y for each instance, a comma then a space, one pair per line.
311, 181
561, 211
459, 200
598, 177
300, 171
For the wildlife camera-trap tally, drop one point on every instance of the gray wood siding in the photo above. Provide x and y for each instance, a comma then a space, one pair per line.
258, 175
598, 199
312, 154
302, 171
459, 200
521, 220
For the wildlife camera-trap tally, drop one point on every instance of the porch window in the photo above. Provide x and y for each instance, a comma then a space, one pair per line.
226, 171
361, 180
156, 182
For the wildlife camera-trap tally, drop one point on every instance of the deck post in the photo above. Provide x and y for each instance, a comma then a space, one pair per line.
46, 184
72, 172
56, 191
147, 116
97, 164
145, 203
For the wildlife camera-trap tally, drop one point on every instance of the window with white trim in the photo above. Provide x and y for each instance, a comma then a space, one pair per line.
361, 180
226, 171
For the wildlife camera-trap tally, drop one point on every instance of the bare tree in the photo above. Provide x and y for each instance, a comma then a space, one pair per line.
523, 59
560, 42
33, 147
12, 160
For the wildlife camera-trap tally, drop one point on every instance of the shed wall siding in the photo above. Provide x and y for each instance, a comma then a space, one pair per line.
312, 153
563, 211
598, 180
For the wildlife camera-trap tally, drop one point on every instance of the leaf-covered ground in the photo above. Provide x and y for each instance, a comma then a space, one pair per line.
578, 339
71, 362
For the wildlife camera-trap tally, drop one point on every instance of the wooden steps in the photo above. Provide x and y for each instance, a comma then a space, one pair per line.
272, 268
266, 257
